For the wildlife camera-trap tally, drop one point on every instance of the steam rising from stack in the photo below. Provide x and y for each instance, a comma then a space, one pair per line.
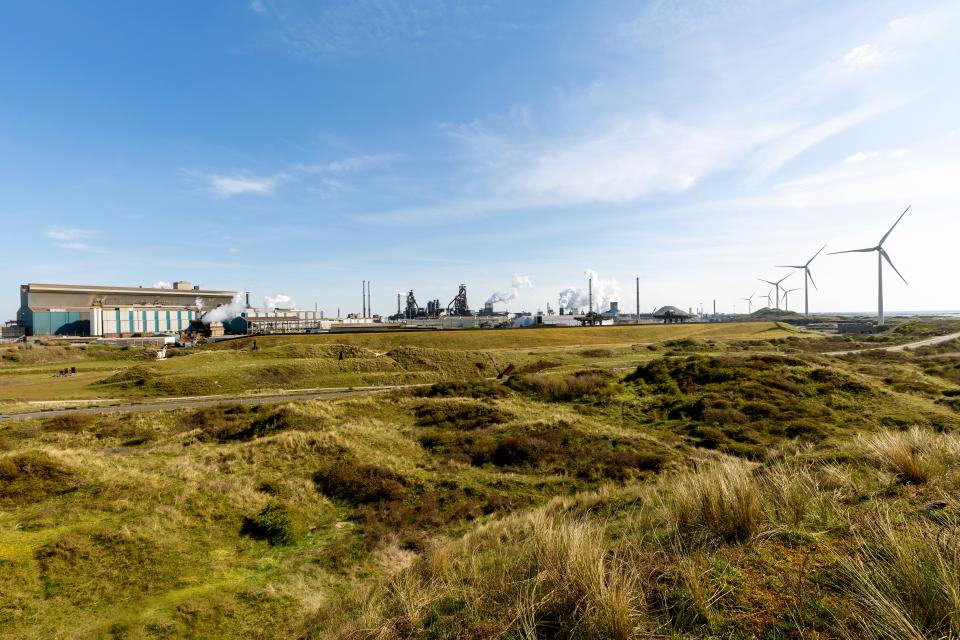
515, 285
604, 292
226, 312
272, 302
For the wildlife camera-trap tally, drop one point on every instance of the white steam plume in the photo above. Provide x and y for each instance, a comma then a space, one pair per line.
604, 292
162, 284
226, 311
515, 284
272, 302
199, 303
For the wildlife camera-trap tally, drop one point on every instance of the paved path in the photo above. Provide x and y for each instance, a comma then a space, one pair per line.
900, 347
169, 404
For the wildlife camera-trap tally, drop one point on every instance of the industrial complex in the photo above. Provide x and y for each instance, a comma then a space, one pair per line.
117, 312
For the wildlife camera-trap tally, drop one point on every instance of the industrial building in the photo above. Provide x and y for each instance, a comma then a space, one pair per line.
84, 310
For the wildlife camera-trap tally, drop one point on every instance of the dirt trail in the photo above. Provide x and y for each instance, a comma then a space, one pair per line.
170, 404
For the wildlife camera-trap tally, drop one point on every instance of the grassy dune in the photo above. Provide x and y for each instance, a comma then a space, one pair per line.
706, 489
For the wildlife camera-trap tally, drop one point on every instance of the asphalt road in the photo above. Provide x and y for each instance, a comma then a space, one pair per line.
900, 347
169, 404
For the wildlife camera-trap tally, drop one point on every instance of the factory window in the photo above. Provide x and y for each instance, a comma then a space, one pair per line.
179, 321
130, 318
117, 328
144, 318
168, 321
156, 321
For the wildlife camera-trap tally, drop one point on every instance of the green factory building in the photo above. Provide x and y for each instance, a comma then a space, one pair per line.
82, 310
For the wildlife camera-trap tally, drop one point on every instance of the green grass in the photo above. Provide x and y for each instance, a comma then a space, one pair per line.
600, 492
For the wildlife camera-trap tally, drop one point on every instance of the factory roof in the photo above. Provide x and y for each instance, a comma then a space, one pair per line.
33, 286
673, 312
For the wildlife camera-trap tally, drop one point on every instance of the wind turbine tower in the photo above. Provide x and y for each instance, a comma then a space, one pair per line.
881, 256
749, 302
786, 301
777, 285
807, 279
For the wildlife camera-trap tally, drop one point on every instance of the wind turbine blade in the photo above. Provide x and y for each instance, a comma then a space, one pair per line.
815, 256
810, 275
894, 225
790, 266
783, 278
767, 281
833, 253
890, 262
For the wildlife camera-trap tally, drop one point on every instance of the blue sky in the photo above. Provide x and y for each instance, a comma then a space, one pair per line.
297, 148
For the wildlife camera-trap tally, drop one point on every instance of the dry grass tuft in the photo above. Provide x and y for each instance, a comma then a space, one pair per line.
905, 581
915, 456
722, 500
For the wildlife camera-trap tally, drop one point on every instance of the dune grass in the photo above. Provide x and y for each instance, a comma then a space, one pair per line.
731, 493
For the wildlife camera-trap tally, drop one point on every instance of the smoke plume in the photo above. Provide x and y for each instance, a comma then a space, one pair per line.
226, 312
272, 302
604, 292
162, 284
516, 283
199, 304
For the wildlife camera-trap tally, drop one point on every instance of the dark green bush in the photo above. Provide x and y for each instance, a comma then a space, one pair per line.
70, 422
274, 523
485, 389
359, 483
32, 476
580, 386
463, 415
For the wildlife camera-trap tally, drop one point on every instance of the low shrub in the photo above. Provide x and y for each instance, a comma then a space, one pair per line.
580, 386
359, 483
70, 422
485, 389
32, 476
274, 523
462, 415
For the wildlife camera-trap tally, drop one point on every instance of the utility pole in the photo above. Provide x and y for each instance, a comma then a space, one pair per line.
638, 300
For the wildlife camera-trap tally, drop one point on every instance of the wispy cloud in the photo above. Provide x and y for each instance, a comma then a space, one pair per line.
226, 186
71, 238
318, 176
900, 36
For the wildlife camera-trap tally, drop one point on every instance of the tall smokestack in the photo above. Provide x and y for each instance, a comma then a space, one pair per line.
638, 300
369, 309
398, 304
363, 300
590, 294
248, 299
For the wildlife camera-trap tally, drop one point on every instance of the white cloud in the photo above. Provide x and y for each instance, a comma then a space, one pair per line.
233, 250
228, 186
900, 37
71, 238
782, 150
631, 158
862, 57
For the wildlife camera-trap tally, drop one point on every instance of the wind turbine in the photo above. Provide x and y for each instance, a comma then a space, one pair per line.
881, 256
807, 279
786, 301
777, 285
769, 304
749, 302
